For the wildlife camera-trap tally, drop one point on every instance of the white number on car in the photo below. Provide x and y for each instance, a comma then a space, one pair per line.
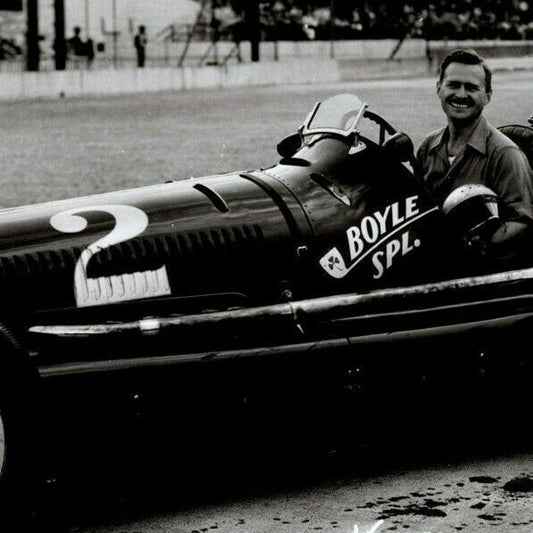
129, 223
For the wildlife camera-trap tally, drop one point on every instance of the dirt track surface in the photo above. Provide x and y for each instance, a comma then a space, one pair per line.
60, 149
493, 495
65, 148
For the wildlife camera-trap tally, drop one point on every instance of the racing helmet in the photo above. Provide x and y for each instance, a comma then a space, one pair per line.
473, 209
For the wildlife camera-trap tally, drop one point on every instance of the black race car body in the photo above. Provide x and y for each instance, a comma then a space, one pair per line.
316, 282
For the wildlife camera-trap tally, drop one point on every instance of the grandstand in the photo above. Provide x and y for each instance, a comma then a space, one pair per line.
378, 19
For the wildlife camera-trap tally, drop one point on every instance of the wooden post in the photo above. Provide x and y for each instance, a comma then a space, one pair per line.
60, 44
332, 30
254, 28
32, 36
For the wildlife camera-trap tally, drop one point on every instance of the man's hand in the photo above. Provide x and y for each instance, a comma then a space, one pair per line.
477, 244
506, 241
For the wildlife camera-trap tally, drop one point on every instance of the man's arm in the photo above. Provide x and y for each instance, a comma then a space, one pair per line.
512, 180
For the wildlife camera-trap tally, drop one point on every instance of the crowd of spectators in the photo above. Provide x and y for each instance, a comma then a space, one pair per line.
377, 19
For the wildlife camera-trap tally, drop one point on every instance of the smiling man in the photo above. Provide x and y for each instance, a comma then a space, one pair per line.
472, 158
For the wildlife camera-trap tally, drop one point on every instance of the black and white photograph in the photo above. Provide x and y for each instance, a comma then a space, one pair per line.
266, 266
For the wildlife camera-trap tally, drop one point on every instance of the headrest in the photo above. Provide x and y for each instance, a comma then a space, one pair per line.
522, 136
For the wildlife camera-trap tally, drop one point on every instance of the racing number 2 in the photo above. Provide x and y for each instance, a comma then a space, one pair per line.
129, 223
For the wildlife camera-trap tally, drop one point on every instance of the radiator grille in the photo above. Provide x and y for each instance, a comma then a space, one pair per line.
136, 254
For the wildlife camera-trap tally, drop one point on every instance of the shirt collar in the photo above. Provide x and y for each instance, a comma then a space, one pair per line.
440, 139
478, 138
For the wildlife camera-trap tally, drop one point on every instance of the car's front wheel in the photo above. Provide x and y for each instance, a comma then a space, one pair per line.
2, 446
17, 462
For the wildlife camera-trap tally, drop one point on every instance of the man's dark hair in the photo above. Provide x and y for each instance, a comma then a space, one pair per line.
466, 57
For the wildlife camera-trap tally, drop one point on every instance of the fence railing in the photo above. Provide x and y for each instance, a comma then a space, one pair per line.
201, 53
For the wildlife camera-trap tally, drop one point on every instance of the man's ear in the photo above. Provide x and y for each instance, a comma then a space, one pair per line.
489, 96
439, 85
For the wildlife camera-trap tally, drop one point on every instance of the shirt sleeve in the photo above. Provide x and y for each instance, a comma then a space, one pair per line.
512, 180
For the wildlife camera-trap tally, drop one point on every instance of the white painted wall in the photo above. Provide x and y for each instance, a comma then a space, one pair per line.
69, 83
155, 14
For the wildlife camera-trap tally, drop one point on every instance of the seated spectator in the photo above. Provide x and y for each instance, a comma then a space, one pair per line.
441, 19
310, 24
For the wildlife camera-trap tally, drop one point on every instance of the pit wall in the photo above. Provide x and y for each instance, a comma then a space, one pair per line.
298, 63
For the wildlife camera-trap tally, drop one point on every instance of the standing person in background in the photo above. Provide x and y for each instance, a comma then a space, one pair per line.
89, 49
139, 42
75, 44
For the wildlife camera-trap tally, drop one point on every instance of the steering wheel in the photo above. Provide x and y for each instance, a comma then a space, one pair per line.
399, 144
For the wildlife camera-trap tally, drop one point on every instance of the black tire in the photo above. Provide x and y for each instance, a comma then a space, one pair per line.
18, 472
3, 459
11, 498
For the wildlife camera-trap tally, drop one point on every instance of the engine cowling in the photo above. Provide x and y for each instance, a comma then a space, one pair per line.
212, 235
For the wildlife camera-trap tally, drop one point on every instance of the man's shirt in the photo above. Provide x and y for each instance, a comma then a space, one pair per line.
490, 158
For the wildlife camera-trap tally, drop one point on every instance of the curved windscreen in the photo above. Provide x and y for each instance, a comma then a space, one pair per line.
339, 114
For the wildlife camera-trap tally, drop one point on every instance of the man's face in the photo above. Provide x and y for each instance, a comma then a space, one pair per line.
462, 92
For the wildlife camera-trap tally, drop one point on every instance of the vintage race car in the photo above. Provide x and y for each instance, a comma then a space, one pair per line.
318, 292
